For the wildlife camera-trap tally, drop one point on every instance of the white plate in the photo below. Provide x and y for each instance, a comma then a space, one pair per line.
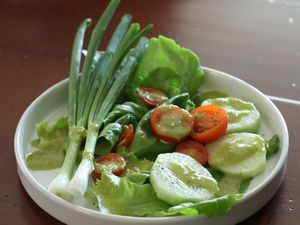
53, 103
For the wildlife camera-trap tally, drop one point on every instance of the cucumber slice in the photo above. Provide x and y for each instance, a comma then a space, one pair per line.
178, 178
238, 154
242, 116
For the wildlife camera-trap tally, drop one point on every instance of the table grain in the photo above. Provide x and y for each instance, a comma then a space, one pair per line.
256, 40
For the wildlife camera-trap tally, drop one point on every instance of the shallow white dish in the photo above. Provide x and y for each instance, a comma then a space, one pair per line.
53, 103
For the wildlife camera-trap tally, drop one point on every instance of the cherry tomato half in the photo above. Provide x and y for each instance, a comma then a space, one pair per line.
193, 149
111, 161
126, 136
152, 96
171, 123
210, 123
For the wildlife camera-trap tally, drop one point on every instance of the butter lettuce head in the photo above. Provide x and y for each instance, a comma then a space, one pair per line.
169, 67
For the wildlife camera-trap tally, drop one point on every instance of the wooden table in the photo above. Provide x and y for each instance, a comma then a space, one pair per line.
256, 40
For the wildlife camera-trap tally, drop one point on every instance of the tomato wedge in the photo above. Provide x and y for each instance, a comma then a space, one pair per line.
152, 96
210, 123
171, 123
126, 136
193, 149
110, 161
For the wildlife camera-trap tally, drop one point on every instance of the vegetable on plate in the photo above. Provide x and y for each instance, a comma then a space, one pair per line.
152, 96
110, 162
194, 149
210, 123
171, 123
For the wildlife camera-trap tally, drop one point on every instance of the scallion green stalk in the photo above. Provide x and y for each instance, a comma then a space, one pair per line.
94, 43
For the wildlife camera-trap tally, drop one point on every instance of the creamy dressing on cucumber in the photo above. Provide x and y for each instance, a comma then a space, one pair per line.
178, 178
242, 116
238, 154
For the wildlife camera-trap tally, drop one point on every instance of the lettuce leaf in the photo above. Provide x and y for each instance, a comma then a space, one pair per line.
169, 67
118, 195
133, 163
213, 207
51, 145
272, 146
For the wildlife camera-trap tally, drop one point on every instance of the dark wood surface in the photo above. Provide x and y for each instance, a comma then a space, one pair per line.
256, 40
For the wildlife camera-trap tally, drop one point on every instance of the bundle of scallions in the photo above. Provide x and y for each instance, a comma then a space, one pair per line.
93, 90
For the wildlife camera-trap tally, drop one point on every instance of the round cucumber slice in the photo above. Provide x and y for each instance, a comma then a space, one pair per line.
239, 154
242, 116
178, 178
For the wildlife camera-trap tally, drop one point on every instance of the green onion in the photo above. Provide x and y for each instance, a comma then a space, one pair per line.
59, 185
76, 134
103, 78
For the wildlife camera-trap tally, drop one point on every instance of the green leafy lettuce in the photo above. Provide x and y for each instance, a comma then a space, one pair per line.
169, 67
119, 195
272, 145
213, 207
51, 145
138, 171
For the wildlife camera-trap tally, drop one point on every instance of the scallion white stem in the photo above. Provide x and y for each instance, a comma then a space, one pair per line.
80, 180
59, 185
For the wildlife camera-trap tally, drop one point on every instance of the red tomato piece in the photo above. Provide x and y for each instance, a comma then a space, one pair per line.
193, 149
210, 123
126, 136
152, 96
113, 162
171, 123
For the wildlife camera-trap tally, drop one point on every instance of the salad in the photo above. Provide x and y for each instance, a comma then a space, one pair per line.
140, 138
